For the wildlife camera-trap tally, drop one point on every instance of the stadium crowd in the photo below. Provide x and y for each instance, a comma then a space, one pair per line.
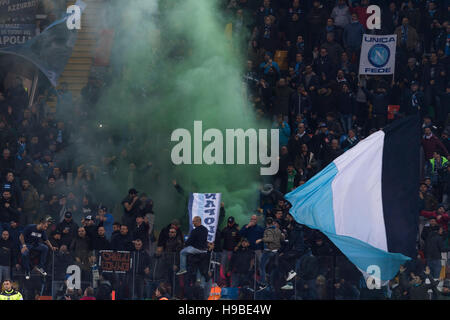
49, 218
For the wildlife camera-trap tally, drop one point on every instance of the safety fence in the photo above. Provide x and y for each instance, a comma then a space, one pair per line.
124, 275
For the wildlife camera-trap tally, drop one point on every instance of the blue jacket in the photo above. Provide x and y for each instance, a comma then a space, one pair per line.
252, 234
285, 133
353, 33
198, 238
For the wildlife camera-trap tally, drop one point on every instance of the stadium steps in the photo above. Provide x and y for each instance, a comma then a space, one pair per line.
78, 68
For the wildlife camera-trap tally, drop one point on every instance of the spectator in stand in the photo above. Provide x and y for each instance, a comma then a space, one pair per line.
316, 20
282, 95
334, 49
434, 81
252, 232
31, 203
165, 234
8, 255
272, 243
131, 209
346, 106
158, 271
230, 236
122, 241
413, 101
269, 34
172, 247
105, 220
90, 226
299, 105
11, 183
285, 131
8, 209
431, 143
380, 101
195, 244
294, 249
352, 37
427, 201
341, 16
141, 269
241, 264
350, 141
88, 294
268, 64
6, 162
407, 38
441, 216
360, 8
34, 238
141, 230
116, 229
305, 161
100, 242
81, 249
433, 247
55, 238
68, 229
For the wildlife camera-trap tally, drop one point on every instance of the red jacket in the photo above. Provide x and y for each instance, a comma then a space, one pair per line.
431, 145
88, 298
362, 14
442, 221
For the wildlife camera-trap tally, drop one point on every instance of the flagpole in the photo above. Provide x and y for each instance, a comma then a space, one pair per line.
33, 87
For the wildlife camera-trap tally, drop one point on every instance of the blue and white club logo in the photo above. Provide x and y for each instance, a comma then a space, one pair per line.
379, 55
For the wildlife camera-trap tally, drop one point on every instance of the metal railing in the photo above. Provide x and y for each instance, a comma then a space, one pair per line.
317, 278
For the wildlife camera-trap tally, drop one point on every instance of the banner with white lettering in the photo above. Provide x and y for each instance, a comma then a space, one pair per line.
207, 207
378, 54
14, 34
18, 11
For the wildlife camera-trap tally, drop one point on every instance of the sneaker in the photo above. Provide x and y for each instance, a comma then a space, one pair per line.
179, 273
287, 286
262, 287
27, 275
41, 271
291, 275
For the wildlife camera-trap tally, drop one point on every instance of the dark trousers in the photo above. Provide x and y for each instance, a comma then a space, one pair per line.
43, 250
378, 121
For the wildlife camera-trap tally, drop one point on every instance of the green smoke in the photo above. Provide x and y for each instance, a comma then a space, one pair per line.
173, 64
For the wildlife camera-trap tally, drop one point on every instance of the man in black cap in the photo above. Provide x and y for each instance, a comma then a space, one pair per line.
413, 101
89, 225
68, 229
231, 237
131, 206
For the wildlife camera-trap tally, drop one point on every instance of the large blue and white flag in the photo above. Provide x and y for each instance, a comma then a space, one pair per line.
378, 54
207, 207
366, 200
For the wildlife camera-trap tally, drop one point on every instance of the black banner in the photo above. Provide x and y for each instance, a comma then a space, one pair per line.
115, 261
18, 11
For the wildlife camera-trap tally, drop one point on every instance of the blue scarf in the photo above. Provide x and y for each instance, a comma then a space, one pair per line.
414, 100
404, 34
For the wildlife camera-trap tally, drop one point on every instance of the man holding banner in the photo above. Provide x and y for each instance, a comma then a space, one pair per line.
196, 243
